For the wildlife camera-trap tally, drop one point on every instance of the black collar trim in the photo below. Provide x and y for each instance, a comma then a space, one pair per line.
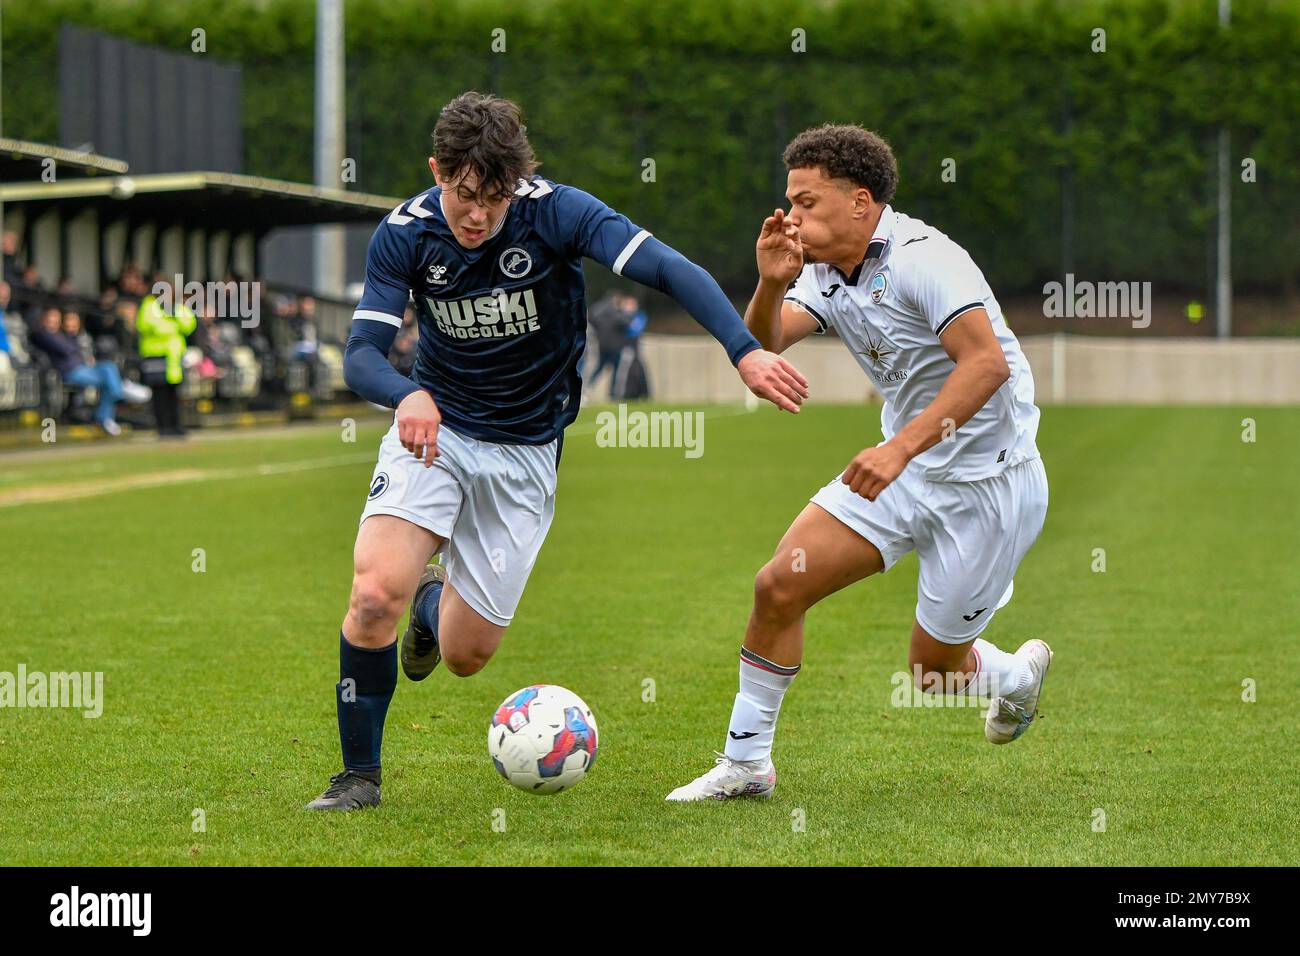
875, 249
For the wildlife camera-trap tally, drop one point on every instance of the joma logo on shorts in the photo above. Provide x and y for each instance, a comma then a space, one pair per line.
486, 316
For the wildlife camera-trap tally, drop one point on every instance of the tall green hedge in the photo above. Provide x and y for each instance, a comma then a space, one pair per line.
1010, 90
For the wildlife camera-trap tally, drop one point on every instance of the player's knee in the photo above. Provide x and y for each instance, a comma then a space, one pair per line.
374, 603
775, 594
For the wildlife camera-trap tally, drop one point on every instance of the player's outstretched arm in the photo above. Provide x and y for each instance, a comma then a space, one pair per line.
579, 222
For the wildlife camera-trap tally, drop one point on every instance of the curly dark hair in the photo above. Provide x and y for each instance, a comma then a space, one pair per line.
486, 134
847, 152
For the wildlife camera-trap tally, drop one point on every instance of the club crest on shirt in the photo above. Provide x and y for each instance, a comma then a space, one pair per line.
879, 285
515, 262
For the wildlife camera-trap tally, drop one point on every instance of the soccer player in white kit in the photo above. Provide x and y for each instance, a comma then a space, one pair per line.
958, 477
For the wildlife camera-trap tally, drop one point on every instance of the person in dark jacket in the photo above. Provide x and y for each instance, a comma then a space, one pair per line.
66, 356
609, 320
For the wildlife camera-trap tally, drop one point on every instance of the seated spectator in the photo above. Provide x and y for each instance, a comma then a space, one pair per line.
128, 342
13, 329
9, 250
66, 356
102, 318
216, 353
105, 333
73, 330
131, 285
4, 305
28, 294
303, 324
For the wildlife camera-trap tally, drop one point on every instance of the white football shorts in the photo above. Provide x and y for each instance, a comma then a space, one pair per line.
491, 503
968, 535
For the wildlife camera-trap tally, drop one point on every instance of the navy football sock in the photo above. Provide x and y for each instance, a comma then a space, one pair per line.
367, 679
426, 612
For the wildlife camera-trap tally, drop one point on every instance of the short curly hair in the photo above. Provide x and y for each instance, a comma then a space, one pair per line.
486, 134
847, 152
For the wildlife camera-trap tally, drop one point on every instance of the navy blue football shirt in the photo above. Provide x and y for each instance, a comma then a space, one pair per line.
503, 326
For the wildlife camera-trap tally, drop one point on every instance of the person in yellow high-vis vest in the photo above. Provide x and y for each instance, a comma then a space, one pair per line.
162, 325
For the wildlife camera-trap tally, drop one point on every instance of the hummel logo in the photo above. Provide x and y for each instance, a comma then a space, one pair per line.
831, 291
971, 617
917, 239
435, 275
744, 736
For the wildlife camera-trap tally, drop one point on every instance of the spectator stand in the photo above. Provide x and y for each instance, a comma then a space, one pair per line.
29, 389
108, 238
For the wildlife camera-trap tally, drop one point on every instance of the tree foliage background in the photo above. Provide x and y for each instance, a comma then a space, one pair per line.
1065, 159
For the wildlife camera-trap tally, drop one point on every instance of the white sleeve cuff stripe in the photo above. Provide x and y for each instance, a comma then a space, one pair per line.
630, 248
377, 317
822, 324
961, 310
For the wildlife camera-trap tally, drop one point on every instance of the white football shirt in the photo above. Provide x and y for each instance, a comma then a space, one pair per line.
890, 313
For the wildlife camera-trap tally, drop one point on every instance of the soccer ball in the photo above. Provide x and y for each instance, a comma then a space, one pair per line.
543, 739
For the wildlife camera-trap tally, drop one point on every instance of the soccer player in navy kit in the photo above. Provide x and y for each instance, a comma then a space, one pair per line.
492, 258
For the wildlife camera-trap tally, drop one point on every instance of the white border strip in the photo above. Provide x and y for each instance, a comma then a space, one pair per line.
630, 248
377, 317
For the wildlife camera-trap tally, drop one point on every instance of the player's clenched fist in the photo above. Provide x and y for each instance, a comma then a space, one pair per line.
769, 376
417, 425
872, 469
779, 249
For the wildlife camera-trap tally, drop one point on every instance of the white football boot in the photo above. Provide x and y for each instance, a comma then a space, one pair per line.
729, 778
1009, 717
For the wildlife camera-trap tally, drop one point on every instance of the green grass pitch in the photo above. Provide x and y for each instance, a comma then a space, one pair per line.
219, 685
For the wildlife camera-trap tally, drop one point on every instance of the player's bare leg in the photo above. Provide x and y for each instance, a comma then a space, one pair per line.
389, 557
1013, 682
931, 660
818, 556
467, 638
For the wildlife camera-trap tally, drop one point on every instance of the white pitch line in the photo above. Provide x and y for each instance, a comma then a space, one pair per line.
74, 491
79, 490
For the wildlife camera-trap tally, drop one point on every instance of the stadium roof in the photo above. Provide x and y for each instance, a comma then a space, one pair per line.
221, 200
22, 160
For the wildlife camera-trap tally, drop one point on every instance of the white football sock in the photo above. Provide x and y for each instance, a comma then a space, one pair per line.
999, 673
753, 716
